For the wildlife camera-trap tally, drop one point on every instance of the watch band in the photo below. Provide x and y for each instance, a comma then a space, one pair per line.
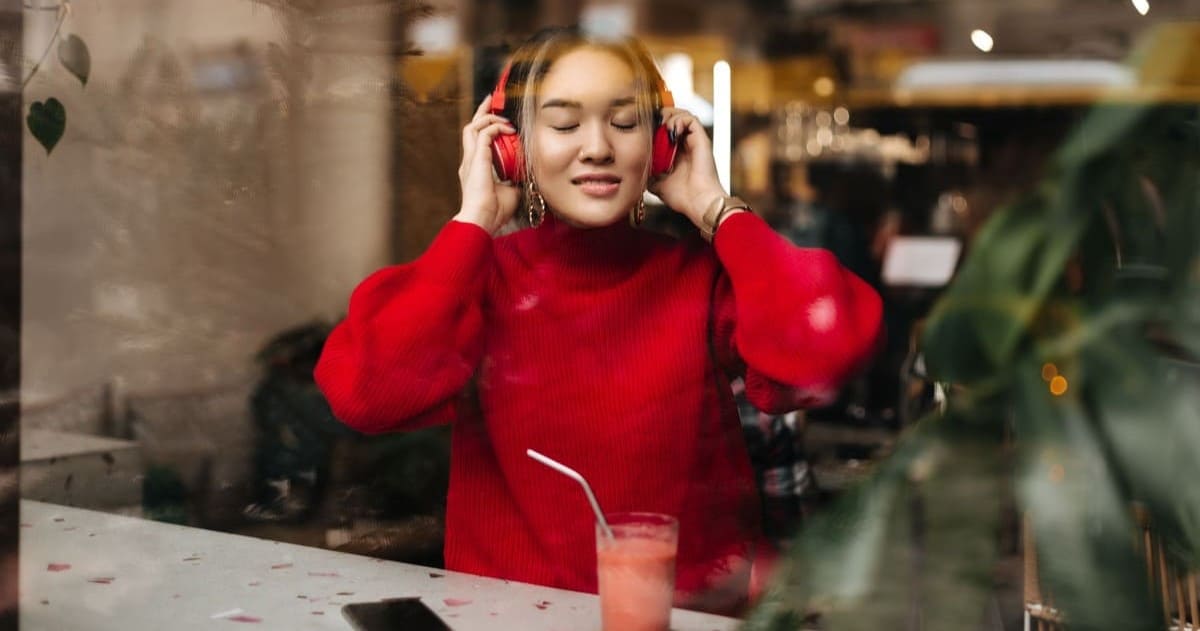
718, 209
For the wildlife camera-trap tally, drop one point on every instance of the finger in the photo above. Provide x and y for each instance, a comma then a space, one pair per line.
472, 129
487, 119
488, 133
683, 122
482, 156
480, 110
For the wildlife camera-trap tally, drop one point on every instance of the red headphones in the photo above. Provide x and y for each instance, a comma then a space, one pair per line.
509, 159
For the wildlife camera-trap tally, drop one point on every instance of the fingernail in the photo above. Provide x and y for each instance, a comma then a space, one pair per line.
671, 135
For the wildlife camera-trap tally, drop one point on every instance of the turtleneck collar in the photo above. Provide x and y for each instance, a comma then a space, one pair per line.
584, 256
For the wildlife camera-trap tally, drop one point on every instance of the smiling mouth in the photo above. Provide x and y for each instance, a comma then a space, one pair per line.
598, 185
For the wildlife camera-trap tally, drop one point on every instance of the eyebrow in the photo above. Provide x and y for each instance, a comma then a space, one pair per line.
628, 100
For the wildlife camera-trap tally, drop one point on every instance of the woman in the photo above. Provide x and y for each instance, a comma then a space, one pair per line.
606, 347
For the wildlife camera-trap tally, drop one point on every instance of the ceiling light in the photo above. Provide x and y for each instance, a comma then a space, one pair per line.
1142, 6
982, 40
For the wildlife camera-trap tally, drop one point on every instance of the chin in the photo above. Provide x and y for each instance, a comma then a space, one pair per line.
588, 214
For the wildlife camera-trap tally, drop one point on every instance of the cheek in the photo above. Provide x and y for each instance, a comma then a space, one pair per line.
636, 152
550, 153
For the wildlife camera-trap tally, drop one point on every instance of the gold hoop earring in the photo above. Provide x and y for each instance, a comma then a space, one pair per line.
637, 214
537, 205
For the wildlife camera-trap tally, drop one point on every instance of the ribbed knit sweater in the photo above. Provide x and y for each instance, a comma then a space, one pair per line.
610, 350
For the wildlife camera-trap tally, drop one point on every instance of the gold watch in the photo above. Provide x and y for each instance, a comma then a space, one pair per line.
718, 209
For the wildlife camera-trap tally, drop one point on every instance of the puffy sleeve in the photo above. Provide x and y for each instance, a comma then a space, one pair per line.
412, 337
799, 322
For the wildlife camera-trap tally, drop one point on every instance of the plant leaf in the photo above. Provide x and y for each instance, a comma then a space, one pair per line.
1083, 523
979, 324
835, 560
74, 55
47, 121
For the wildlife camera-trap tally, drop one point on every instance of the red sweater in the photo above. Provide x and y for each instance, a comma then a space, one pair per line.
610, 350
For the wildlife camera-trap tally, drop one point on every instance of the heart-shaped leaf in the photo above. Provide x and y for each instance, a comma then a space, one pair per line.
47, 121
74, 55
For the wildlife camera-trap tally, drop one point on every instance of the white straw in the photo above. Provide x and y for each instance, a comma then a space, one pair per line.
574, 475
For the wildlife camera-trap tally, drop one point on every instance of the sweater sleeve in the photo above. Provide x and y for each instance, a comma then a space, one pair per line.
412, 337
799, 322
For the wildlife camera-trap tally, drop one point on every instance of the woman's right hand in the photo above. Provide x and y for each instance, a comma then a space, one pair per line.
486, 202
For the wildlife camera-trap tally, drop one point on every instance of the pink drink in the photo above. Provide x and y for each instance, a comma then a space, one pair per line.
636, 571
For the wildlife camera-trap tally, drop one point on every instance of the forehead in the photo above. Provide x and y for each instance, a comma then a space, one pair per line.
588, 72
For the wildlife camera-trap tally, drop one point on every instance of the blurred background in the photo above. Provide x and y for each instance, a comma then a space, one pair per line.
229, 170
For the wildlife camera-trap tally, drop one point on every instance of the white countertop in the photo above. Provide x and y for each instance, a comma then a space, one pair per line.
94, 571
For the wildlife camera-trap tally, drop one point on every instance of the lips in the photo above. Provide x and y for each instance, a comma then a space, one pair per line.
598, 184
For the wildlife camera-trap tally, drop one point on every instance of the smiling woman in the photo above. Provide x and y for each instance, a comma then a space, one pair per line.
591, 149
606, 347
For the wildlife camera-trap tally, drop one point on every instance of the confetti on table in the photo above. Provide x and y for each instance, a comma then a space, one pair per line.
245, 619
435, 575
455, 602
103, 580
226, 614
318, 613
194, 558
329, 574
57, 519
281, 566
45, 602
58, 567
542, 604
25, 525
254, 583
344, 594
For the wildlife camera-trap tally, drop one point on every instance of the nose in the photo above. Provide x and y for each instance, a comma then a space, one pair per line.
597, 148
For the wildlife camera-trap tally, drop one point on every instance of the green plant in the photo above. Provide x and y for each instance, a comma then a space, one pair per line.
47, 120
1070, 337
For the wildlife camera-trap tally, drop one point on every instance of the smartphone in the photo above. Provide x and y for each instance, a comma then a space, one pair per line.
393, 614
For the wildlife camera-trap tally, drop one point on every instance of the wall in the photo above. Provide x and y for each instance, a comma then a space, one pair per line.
217, 183
199, 201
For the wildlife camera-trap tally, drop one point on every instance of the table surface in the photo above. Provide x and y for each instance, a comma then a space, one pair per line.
93, 571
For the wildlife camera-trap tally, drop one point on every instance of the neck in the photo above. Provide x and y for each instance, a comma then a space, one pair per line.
600, 255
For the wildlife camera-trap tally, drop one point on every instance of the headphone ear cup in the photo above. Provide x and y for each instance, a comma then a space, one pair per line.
663, 152
507, 158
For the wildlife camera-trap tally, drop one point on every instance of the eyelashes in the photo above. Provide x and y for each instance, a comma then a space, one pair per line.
569, 128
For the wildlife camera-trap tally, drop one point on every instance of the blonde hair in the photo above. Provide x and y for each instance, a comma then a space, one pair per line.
532, 60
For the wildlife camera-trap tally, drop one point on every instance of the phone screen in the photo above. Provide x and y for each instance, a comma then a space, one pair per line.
392, 614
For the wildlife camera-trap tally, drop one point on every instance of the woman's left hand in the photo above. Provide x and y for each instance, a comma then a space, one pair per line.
693, 184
